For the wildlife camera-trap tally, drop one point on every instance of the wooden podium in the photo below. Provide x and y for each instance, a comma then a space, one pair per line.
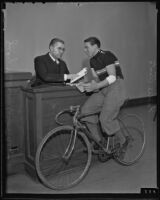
41, 105
14, 123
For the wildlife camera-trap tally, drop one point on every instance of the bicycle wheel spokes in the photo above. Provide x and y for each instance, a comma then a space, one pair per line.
54, 170
50, 158
134, 147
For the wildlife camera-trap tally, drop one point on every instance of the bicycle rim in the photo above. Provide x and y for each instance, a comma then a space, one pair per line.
135, 148
53, 170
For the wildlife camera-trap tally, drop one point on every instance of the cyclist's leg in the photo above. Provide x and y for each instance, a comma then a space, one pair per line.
114, 98
93, 104
94, 130
110, 126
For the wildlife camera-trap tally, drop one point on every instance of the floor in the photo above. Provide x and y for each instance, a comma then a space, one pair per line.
109, 177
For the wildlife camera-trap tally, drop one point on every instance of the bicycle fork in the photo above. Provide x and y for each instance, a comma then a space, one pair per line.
70, 146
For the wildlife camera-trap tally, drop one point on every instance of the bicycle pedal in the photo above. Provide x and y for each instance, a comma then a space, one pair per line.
103, 157
109, 152
95, 146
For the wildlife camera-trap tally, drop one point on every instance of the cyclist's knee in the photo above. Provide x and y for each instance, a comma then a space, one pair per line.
104, 118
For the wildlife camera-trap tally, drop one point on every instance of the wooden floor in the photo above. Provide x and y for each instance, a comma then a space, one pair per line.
109, 177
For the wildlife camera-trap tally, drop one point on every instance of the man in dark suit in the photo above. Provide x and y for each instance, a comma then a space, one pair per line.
50, 68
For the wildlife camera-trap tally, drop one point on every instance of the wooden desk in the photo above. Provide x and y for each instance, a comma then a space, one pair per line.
41, 105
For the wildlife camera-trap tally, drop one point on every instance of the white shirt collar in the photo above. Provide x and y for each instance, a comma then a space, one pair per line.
55, 60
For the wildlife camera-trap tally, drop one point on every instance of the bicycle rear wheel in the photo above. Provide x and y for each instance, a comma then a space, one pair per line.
53, 170
134, 149
132, 128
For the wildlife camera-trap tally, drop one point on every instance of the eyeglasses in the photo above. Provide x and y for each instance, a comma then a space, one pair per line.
62, 49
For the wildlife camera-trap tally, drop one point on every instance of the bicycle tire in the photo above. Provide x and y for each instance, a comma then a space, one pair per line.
136, 151
54, 178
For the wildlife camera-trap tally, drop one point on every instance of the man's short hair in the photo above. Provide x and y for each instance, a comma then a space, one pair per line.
55, 40
93, 40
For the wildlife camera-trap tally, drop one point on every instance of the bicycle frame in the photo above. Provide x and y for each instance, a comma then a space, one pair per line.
77, 125
78, 142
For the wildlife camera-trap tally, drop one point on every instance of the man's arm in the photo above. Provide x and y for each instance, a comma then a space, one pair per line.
111, 77
109, 80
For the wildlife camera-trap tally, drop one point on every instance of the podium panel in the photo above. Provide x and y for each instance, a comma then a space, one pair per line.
41, 106
14, 124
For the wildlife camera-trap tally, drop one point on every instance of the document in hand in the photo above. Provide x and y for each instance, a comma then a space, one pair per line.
78, 85
80, 74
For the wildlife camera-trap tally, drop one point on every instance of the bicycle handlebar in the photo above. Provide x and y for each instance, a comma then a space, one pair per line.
73, 110
59, 114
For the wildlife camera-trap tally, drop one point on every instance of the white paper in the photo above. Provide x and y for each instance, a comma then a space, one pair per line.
80, 74
78, 85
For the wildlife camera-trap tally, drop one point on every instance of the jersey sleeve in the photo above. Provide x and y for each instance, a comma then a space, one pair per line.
109, 58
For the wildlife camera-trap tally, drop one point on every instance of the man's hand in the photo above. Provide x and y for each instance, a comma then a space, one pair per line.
89, 87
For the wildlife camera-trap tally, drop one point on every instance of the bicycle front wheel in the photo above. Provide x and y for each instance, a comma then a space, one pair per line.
53, 170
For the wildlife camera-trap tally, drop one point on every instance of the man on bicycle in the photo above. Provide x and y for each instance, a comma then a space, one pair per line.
108, 94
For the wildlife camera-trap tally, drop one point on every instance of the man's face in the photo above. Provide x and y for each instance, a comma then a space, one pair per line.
57, 50
89, 49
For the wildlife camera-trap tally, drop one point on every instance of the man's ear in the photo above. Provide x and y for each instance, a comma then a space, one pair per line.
51, 48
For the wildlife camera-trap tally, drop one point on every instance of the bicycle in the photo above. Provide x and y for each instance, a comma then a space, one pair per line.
64, 155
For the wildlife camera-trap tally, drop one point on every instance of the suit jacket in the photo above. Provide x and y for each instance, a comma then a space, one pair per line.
48, 71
